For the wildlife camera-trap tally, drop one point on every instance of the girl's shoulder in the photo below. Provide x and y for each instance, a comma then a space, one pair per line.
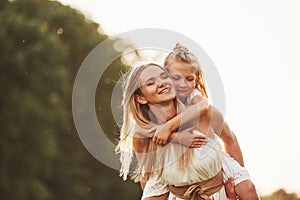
193, 94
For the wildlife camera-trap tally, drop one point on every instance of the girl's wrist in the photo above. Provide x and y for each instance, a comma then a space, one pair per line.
173, 137
169, 126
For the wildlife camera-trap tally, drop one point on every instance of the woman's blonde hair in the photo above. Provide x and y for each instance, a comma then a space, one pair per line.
150, 157
181, 53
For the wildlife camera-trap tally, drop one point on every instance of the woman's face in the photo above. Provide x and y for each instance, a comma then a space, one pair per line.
184, 77
156, 86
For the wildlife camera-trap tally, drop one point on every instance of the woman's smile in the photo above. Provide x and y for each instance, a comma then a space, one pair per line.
156, 85
165, 90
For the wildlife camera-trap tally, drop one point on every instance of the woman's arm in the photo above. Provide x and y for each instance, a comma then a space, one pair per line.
222, 129
231, 144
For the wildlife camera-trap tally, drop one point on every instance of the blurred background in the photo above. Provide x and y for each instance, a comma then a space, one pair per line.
42, 45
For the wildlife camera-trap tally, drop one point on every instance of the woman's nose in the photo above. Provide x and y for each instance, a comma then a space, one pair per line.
162, 82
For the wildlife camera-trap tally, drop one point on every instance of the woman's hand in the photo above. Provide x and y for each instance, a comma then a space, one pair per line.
229, 188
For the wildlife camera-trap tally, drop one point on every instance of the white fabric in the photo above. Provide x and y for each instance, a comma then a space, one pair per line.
221, 195
232, 168
190, 97
205, 164
157, 187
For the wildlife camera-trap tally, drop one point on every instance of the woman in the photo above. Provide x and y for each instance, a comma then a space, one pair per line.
187, 75
149, 99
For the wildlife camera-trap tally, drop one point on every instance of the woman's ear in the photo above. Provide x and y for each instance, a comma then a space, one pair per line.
141, 99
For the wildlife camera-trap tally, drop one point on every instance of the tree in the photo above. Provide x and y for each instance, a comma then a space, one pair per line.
42, 45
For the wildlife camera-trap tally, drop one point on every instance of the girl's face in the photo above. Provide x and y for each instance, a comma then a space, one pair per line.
156, 86
184, 77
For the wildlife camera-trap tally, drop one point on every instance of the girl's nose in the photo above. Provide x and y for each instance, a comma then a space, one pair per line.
182, 83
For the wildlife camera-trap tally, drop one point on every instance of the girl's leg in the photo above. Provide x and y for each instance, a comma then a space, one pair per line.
246, 190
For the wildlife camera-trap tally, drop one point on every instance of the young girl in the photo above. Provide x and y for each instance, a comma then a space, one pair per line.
189, 82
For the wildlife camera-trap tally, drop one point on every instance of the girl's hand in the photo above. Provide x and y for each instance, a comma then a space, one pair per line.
190, 140
162, 134
185, 137
229, 188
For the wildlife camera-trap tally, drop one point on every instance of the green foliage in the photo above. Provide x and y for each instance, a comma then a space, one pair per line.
42, 44
281, 195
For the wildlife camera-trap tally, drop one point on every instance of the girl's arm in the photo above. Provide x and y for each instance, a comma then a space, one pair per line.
184, 137
200, 106
143, 132
188, 139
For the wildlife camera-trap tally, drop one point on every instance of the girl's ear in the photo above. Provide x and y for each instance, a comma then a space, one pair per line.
141, 99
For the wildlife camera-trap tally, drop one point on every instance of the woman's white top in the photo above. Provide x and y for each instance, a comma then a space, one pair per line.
205, 164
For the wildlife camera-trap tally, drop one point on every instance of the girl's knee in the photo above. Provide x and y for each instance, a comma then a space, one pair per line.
246, 190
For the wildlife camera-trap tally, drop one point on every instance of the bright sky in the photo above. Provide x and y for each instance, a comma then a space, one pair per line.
255, 46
